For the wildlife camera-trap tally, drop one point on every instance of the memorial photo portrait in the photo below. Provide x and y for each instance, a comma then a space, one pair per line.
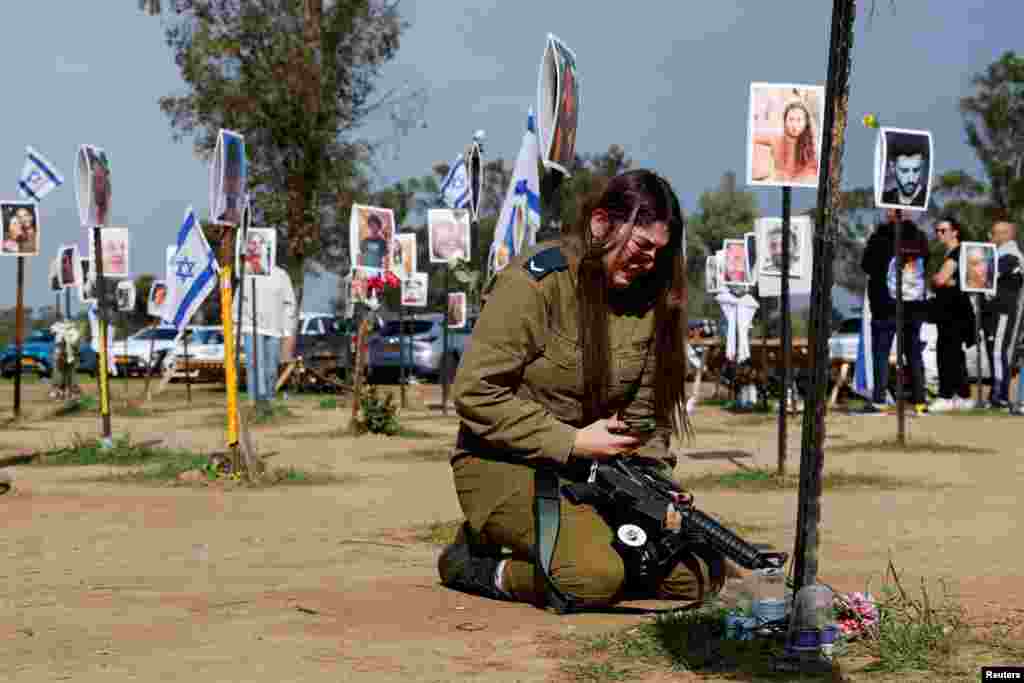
769, 239
784, 134
115, 245
978, 273
70, 270
125, 295
157, 297
228, 178
456, 310
735, 254
903, 171
20, 221
93, 185
259, 251
371, 231
448, 234
414, 290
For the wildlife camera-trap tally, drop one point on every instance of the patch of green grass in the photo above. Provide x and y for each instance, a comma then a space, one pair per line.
915, 633
294, 476
86, 403
756, 479
328, 403
692, 640
91, 452
132, 411
926, 446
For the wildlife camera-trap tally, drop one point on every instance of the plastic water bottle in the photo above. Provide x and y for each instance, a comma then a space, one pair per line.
770, 595
811, 621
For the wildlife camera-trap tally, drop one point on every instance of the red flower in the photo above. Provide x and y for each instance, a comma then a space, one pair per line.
392, 280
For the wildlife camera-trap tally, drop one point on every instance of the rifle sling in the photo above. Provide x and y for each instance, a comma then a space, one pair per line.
547, 520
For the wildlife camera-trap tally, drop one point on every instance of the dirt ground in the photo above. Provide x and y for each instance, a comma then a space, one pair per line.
116, 582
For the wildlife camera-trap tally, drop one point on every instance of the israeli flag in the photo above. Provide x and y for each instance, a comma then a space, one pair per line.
864, 371
519, 219
455, 188
94, 329
192, 273
39, 177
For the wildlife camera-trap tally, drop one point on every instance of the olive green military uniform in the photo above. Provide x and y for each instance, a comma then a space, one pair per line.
519, 394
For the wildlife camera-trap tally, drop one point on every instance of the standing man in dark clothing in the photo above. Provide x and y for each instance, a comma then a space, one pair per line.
1000, 311
880, 264
953, 316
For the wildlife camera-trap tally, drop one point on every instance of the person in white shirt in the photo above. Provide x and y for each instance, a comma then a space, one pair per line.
274, 330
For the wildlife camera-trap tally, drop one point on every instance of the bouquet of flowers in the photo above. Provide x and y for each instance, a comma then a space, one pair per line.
856, 614
67, 335
375, 287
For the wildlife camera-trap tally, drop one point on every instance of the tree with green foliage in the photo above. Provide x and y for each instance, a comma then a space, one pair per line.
297, 79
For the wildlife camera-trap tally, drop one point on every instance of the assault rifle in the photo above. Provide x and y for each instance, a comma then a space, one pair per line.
634, 500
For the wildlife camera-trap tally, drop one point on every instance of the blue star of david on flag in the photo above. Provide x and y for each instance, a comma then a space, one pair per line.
185, 268
194, 274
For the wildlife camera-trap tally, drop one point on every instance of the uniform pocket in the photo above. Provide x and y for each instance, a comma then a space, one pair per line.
629, 361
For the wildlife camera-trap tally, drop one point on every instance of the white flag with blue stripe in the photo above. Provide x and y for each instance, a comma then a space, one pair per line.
519, 219
39, 177
864, 370
192, 273
455, 188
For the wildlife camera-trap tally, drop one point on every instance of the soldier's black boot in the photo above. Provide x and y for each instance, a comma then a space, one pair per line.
467, 569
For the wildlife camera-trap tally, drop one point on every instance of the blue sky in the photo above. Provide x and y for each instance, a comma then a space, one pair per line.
669, 81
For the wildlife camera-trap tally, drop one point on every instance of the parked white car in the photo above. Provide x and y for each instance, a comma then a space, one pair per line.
205, 343
844, 341
142, 348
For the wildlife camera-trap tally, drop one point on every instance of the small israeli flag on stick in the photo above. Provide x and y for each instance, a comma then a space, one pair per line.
39, 177
455, 188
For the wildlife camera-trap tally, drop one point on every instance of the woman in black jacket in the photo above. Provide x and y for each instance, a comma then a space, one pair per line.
953, 316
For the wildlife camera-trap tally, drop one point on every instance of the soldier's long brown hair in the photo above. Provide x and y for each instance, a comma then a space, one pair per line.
646, 198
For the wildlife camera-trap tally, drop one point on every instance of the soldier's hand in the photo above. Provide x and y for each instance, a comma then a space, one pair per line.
598, 442
673, 518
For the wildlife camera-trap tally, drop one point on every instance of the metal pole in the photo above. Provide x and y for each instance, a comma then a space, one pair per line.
444, 346
227, 323
255, 340
786, 342
69, 381
246, 220
805, 555
901, 417
980, 341
19, 334
1018, 403
402, 375
101, 314
188, 368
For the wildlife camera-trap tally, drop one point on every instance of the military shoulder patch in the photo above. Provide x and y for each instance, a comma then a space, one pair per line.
546, 262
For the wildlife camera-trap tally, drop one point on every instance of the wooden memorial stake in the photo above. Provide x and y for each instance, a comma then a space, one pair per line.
188, 367
152, 361
786, 340
901, 341
253, 382
69, 380
357, 371
444, 344
979, 339
101, 315
19, 334
402, 375
227, 242
805, 555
